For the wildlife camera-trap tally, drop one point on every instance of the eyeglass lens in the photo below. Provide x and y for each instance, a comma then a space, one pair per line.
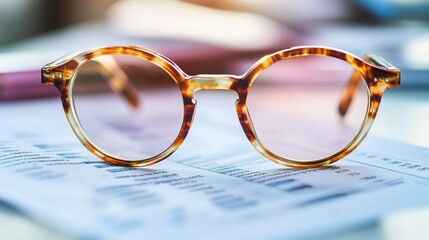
293, 105
127, 107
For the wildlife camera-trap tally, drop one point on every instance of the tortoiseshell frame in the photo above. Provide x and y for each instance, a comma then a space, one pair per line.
377, 73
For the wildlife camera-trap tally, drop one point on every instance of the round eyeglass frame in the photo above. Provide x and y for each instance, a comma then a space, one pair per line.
375, 71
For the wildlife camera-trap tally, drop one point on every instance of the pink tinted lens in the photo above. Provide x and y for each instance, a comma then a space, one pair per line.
293, 105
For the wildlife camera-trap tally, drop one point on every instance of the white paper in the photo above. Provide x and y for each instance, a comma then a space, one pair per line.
215, 186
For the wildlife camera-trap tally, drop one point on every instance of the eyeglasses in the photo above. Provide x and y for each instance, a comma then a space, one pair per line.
300, 107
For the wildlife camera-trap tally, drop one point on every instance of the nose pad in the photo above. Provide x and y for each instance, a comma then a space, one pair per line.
216, 114
216, 129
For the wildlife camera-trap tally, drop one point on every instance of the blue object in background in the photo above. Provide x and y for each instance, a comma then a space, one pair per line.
388, 10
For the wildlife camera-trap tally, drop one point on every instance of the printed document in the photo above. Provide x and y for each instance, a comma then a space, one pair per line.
216, 186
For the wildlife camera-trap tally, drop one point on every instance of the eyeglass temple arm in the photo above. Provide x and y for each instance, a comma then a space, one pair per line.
349, 91
118, 80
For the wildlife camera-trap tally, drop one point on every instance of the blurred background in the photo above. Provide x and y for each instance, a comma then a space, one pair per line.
215, 32
206, 36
